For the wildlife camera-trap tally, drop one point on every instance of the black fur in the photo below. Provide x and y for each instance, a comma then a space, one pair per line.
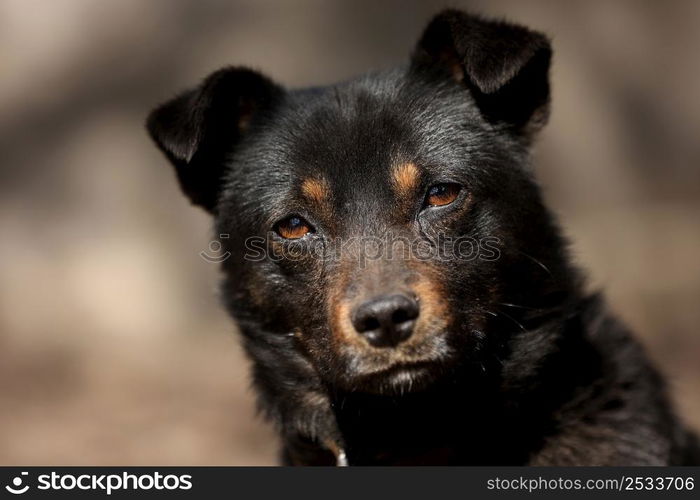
520, 366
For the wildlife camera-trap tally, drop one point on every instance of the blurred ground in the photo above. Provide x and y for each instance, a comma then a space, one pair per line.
113, 348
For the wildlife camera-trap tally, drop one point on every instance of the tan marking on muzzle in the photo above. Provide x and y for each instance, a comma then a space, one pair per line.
341, 325
432, 300
339, 307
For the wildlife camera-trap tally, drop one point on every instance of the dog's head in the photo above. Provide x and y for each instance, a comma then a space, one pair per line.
387, 226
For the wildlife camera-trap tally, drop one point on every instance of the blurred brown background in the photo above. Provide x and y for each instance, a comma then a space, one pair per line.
113, 348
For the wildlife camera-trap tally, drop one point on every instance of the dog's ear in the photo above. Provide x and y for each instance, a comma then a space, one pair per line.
199, 128
505, 66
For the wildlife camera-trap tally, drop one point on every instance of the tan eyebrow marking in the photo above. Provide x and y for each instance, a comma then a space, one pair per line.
405, 178
316, 190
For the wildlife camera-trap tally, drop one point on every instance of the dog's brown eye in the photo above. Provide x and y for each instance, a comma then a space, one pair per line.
442, 194
292, 228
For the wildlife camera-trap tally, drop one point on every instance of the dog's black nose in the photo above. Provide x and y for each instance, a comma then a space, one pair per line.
386, 321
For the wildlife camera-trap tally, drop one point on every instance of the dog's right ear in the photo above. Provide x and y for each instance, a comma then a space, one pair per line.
199, 128
505, 67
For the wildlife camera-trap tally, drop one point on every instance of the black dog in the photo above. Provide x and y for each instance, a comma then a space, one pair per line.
469, 342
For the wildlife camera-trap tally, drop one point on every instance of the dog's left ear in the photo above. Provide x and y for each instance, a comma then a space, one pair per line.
200, 128
505, 67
